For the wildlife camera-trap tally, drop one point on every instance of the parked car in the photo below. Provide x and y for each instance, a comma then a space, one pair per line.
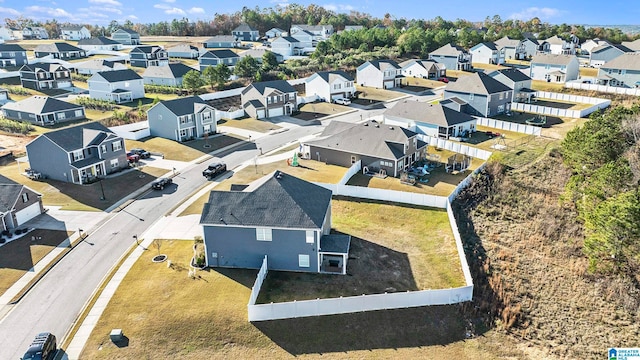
144, 154
43, 347
214, 170
133, 158
161, 183
342, 101
443, 79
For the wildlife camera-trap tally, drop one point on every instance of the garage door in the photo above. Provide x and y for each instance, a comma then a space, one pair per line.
276, 112
64, 84
260, 114
388, 84
28, 213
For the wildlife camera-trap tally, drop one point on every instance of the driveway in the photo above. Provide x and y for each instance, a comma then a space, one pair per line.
56, 219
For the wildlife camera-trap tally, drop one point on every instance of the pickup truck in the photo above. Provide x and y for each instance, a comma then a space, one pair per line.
214, 170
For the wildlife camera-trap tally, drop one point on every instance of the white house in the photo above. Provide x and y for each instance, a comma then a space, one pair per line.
99, 43
425, 69
74, 32
560, 46
381, 74
590, 44
433, 120
6, 34
274, 33
554, 68
119, 86
285, 46
330, 85
486, 53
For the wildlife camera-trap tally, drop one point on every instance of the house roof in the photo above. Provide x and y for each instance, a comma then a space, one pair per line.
220, 54
244, 28
382, 64
221, 38
370, 138
335, 243
171, 71
513, 74
275, 29
489, 45
40, 105
71, 28
79, 136
265, 86
56, 47
117, 75
9, 192
286, 38
330, 76
555, 40
626, 61
96, 64
147, 49
607, 46
428, 113
11, 48
182, 48
477, 83
506, 41
129, 31
280, 201
257, 53
185, 105
427, 64
552, 59
633, 45
100, 40
313, 28
44, 66
448, 50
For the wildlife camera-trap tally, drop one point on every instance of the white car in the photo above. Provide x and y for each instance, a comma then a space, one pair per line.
342, 101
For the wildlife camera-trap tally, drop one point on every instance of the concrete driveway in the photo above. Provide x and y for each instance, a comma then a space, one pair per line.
56, 219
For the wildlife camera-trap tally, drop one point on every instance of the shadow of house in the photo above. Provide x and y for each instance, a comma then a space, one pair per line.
18, 254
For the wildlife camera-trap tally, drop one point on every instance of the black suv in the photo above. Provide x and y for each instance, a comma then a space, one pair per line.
214, 170
144, 154
161, 183
43, 347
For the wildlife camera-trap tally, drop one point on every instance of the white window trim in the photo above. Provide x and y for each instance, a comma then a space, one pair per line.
310, 237
264, 234
303, 261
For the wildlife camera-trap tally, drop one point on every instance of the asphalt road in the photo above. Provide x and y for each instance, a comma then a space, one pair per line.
55, 302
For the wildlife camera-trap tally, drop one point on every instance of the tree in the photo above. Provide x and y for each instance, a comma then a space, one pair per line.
246, 67
217, 75
193, 80
270, 61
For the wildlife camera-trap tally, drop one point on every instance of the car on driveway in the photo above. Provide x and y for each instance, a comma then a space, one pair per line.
144, 154
161, 183
342, 101
133, 158
214, 170
443, 79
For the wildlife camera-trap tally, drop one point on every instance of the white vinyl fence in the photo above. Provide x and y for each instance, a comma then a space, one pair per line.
603, 88
464, 183
9, 74
508, 126
461, 254
402, 197
257, 285
455, 147
596, 104
231, 114
307, 99
222, 94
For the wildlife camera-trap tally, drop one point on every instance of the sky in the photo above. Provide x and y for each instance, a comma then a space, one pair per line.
101, 12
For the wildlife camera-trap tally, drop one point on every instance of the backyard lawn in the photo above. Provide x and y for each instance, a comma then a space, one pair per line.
187, 151
319, 110
375, 94
248, 123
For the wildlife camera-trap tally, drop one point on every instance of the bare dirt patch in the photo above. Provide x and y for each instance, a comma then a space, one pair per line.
15, 143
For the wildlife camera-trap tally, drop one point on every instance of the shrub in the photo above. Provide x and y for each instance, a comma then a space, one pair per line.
15, 127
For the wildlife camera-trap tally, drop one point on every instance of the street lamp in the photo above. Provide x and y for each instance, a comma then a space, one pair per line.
102, 190
80, 233
136, 237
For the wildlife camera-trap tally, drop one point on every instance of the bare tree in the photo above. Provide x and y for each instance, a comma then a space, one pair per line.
158, 244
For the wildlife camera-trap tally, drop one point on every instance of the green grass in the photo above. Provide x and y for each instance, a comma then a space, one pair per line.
249, 124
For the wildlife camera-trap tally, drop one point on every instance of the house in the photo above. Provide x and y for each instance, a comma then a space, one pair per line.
245, 32
559, 46
39, 76
452, 56
554, 68
633, 45
119, 86
7, 34
516, 80
590, 44
258, 54
12, 55
425, 69
74, 32
170, 75
531, 46
60, 50
353, 27
381, 74
43, 110
319, 32
221, 41
16, 33
77, 154
91, 67
623, 71
126, 37
268, 99
306, 41
330, 85
182, 119
484, 95
4, 95
511, 49
286, 46
145, 56
274, 33
99, 43
183, 51
18, 203
435, 120
387, 148
292, 227
487, 53
215, 57
34, 33
604, 53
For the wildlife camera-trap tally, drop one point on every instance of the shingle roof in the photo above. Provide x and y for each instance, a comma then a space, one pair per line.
182, 48
220, 54
370, 139
552, 59
428, 113
72, 27
427, 64
555, 40
100, 40
263, 86
507, 42
490, 45
147, 49
56, 47
11, 48
40, 105
287, 38
329, 76
244, 28
96, 64
448, 50
513, 74
79, 136
171, 71
128, 31
221, 38
477, 83
313, 27
627, 61
117, 75
280, 201
9, 192
633, 45
185, 105
381, 65
44, 66
607, 46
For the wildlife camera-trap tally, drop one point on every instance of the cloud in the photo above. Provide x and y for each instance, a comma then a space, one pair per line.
132, 17
196, 10
162, 6
10, 11
169, 1
53, 12
106, 2
532, 12
339, 7
174, 11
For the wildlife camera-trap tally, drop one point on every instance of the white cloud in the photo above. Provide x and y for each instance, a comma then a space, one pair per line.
53, 12
132, 17
162, 6
175, 11
338, 8
196, 10
169, 1
106, 2
10, 11
543, 13
111, 10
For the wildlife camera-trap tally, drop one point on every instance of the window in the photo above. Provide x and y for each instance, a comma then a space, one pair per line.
114, 163
263, 234
310, 237
303, 260
268, 100
470, 96
183, 132
78, 113
61, 116
25, 197
116, 145
501, 96
103, 148
127, 84
78, 155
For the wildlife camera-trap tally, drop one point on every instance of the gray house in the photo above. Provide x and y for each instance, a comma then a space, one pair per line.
183, 51
119, 86
516, 80
452, 56
215, 57
145, 56
221, 41
484, 95
607, 52
99, 43
126, 37
269, 99
284, 218
41, 76
93, 66
245, 32
18, 203
182, 119
77, 154
170, 75
259, 53
511, 49
436, 120
60, 50
12, 55
391, 149
623, 71
43, 110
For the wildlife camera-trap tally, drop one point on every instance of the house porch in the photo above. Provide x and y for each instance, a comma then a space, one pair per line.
334, 253
87, 171
121, 96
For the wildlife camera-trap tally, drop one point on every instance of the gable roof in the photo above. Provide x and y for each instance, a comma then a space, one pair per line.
219, 54
11, 48
221, 38
56, 47
96, 64
626, 61
117, 75
330, 76
43, 66
71, 28
264, 86
489, 45
128, 31
603, 47
382, 64
555, 40
370, 138
40, 105
287, 39
477, 83
506, 41
552, 59
100, 40
313, 28
185, 105
275, 29
427, 64
244, 28
428, 113
448, 50
9, 193
171, 71
79, 136
511, 73
633, 45
279, 201
147, 49
184, 47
